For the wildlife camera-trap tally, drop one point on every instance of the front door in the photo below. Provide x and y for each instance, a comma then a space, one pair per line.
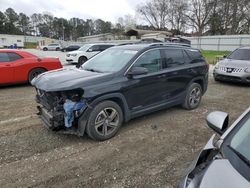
146, 90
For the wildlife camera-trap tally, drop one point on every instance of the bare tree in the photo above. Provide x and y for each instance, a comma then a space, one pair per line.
155, 12
199, 13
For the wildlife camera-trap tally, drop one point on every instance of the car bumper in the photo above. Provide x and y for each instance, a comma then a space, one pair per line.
71, 59
232, 77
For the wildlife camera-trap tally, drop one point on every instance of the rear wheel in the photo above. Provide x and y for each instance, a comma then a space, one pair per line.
57, 49
45, 49
104, 121
35, 72
193, 97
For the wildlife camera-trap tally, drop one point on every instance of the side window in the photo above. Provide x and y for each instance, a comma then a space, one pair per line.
4, 57
173, 58
104, 47
195, 56
13, 56
94, 48
151, 60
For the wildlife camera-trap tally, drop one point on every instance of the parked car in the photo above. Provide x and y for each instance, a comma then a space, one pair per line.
235, 67
224, 162
20, 66
70, 48
119, 84
53, 46
86, 52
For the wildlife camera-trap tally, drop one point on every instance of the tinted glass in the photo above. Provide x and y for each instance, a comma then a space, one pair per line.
195, 56
4, 57
110, 60
151, 60
173, 58
14, 56
240, 54
104, 47
95, 48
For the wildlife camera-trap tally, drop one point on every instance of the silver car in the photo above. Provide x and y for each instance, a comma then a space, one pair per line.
225, 161
235, 67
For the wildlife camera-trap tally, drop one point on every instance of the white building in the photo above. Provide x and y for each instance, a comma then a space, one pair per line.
8, 40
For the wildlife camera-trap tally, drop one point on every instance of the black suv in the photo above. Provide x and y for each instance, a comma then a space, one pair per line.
119, 84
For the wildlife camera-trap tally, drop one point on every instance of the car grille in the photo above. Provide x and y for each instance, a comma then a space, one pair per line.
230, 69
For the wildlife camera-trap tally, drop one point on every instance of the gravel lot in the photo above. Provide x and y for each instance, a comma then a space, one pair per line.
151, 151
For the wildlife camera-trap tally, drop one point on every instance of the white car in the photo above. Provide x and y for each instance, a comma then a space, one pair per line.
52, 46
86, 52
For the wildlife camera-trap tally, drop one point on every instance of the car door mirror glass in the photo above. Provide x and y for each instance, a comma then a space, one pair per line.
218, 121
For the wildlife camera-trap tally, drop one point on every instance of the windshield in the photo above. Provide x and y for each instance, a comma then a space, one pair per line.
241, 140
111, 60
84, 47
240, 54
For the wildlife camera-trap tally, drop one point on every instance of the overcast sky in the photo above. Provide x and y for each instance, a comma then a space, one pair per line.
108, 10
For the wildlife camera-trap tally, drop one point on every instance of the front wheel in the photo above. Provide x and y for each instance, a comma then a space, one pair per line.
104, 121
81, 61
193, 97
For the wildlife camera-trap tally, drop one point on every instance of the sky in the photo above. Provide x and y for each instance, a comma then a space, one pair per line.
108, 10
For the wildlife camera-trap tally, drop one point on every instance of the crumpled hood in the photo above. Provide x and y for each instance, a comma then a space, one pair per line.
222, 174
234, 63
68, 78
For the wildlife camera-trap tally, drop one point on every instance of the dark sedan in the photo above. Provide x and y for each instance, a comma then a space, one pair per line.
70, 48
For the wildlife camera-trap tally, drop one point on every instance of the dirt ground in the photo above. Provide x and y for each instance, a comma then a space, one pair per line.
151, 151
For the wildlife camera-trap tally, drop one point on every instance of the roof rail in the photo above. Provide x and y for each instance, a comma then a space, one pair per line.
171, 44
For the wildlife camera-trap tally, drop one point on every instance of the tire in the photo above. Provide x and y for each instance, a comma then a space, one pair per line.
35, 72
104, 121
45, 49
57, 49
193, 97
81, 61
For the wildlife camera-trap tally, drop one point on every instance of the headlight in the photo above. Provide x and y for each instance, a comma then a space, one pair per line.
247, 70
216, 66
73, 55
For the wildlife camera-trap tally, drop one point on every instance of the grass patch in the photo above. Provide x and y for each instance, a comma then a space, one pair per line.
213, 56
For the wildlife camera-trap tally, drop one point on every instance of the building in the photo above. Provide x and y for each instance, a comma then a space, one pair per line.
97, 38
11, 40
143, 34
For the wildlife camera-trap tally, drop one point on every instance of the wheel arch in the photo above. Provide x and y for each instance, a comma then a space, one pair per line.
34, 69
201, 81
118, 98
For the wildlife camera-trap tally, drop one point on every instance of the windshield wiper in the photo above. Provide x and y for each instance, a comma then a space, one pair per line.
242, 157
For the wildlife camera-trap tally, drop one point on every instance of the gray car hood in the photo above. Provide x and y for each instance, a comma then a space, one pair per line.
221, 174
68, 78
234, 63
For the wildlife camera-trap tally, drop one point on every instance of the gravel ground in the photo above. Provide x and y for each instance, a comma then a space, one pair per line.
151, 151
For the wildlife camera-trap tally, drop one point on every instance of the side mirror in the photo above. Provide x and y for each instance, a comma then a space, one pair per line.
218, 121
137, 71
90, 50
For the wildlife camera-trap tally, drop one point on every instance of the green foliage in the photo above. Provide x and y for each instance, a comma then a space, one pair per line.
213, 56
30, 45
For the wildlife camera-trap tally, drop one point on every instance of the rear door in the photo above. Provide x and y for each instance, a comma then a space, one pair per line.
6, 69
177, 72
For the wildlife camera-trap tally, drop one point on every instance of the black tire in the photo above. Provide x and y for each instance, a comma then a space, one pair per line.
35, 72
193, 97
103, 122
57, 49
45, 49
81, 61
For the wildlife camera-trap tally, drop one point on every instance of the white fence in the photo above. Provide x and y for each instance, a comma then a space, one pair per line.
220, 42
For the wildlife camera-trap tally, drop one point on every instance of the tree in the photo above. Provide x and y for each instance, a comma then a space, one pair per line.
24, 23
11, 22
2, 22
155, 12
199, 13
